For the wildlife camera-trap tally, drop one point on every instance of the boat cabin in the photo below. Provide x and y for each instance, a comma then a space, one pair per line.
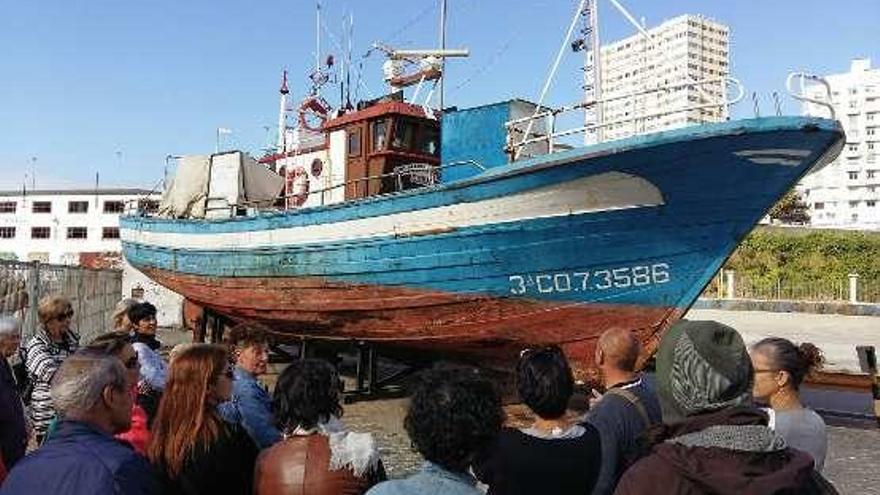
388, 146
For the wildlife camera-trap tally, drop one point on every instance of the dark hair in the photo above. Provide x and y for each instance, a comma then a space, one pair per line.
245, 335
454, 415
110, 343
307, 393
140, 311
797, 361
544, 381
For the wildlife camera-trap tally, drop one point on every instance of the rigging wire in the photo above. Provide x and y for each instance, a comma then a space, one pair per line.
492, 60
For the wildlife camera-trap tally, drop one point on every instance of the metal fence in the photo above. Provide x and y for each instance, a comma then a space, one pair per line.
93, 294
729, 284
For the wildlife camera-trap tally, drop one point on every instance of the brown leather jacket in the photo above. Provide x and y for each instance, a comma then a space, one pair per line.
301, 465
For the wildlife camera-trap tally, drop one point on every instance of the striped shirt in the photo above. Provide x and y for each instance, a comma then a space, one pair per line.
42, 357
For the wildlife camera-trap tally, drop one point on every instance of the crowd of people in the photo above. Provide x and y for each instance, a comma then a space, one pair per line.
111, 416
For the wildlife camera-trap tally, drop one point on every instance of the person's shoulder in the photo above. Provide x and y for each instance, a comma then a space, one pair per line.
644, 476
393, 487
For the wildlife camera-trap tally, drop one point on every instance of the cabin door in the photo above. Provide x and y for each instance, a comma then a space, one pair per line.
355, 162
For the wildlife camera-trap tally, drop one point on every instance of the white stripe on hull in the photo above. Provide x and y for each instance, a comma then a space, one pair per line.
603, 192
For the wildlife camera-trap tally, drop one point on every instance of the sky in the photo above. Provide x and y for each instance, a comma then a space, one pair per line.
112, 87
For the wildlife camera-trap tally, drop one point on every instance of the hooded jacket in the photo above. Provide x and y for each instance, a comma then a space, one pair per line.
727, 452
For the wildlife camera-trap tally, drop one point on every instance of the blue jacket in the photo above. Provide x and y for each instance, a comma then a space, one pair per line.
81, 460
430, 480
251, 406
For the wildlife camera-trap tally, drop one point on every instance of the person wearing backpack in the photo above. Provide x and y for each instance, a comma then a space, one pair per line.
626, 410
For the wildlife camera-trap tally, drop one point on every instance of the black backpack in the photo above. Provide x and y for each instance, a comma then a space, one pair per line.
23, 382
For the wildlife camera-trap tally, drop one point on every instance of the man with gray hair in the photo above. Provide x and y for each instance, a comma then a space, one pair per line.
93, 398
13, 429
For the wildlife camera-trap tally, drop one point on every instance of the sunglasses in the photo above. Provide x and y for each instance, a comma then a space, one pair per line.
65, 315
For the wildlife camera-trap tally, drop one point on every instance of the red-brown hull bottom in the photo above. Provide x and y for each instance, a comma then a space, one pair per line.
484, 330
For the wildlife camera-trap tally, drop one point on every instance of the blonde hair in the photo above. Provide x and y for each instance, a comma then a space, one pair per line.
121, 311
51, 307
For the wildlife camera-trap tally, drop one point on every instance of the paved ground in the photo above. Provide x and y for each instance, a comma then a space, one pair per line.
836, 335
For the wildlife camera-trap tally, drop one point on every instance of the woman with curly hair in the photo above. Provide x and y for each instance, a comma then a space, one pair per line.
194, 450
555, 454
780, 368
316, 454
454, 415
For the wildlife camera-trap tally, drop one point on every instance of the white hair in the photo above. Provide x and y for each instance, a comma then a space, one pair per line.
80, 381
10, 326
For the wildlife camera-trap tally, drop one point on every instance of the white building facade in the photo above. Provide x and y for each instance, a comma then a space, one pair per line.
846, 193
58, 226
687, 48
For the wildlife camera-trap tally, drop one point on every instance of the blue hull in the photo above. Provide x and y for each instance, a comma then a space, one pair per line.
703, 190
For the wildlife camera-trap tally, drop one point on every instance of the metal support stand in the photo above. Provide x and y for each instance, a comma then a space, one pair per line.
868, 363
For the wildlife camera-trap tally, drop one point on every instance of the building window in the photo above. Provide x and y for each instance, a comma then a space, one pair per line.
110, 233
114, 206
40, 232
853, 175
77, 207
42, 207
818, 206
148, 205
871, 203
871, 173
7, 207
7, 232
77, 232
853, 204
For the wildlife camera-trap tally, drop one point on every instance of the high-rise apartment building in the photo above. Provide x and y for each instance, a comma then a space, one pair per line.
846, 193
687, 48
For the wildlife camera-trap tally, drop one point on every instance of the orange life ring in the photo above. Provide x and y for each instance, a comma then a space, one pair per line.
297, 186
313, 107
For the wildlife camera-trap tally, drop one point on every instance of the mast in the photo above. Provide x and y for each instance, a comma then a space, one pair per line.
282, 114
442, 47
592, 85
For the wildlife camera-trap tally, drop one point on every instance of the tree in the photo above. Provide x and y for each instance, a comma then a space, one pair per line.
791, 209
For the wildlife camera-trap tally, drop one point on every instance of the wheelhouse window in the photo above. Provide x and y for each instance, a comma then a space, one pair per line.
7, 207
40, 232
404, 134
110, 233
42, 207
114, 206
77, 233
379, 131
7, 232
354, 142
430, 142
78, 207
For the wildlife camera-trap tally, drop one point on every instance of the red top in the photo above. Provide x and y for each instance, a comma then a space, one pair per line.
138, 434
